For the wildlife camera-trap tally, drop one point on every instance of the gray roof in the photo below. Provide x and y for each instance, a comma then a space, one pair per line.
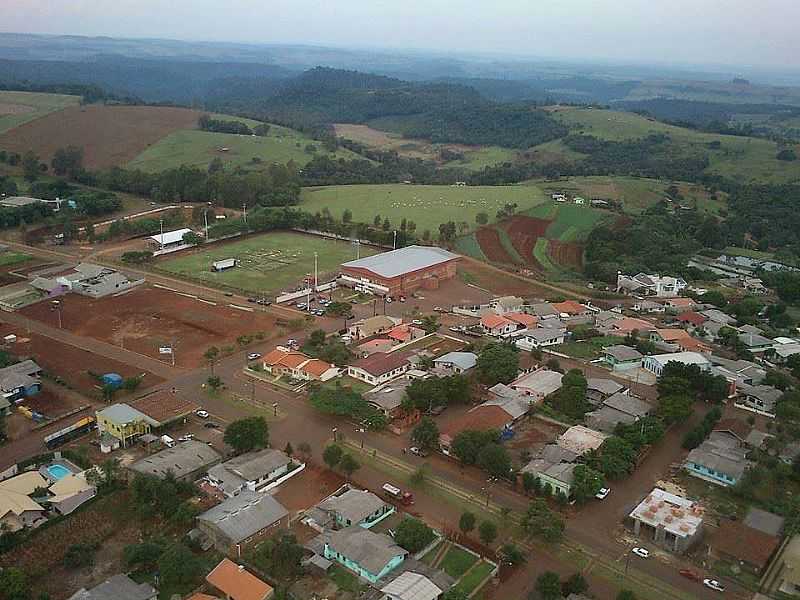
754, 340
756, 438
604, 386
403, 260
412, 586
764, 521
718, 316
628, 404
551, 454
26, 367
623, 353
254, 465
719, 457
183, 459
372, 551
765, 393
742, 368
244, 515
542, 309
390, 395
544, 334
606, 418
354, 505
543, 381
17, 201
118, 587
751, 329
90, 270
45, 284
123, 414
562, 472
463, 360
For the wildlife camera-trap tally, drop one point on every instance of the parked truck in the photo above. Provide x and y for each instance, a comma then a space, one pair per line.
395, 493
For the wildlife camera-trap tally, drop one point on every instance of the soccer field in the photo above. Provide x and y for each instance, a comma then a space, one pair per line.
427, 205
268, 263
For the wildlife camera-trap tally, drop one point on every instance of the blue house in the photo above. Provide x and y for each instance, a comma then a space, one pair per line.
20, 381
721, 459
367, 554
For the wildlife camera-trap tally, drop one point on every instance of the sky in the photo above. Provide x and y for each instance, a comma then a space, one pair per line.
701, 32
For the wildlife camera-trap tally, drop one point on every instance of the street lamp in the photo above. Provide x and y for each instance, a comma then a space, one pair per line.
55, 305
275, 409
334, 430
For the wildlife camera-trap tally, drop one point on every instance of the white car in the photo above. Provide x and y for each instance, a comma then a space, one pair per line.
416, 322
641, 552
603, 493
714, 585
253, 356
203, 414
186, 438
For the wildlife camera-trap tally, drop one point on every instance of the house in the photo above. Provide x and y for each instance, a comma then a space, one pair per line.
656, 363
649, 306
280, 362
738, 543
17, 509
549, 456
252, 471
164, 407
20, 381
756, 343
598, 389
761, 399
628, 325
543, 310
740, 371
496, 325
669, 521
371, 326
380, 367
402, 271
368, 555
754, 285
691, 319
650, 285
483, 417
679, 304
570, 310
515, 403
237, 583
402, 334
374, 345
789, 569
622, 358
456, 362
169, 241
124, 423
717, 316
618, 408
242, 520
677, 339
580, 440
507, 304
720, 459
388, 398
118, 587
185, 461
523, 320
411, 586
69, 492
354, 507
559, 477
780, 353
538, 384
540, 337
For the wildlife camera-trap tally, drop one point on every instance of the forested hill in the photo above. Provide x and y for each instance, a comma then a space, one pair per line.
441, 112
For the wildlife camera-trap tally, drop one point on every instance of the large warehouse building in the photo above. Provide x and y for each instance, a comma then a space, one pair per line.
401, 271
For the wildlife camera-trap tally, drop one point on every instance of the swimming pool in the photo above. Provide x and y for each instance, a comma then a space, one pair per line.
57, 471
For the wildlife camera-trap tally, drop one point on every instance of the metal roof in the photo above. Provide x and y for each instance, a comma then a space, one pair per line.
170, 237
371, 551
401, 261
182, 460
124, 414
118, 587
463, 360
354, 505
244, 515
412, 586
623, 353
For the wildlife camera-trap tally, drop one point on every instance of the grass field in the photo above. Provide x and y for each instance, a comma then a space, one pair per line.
588, 349
473, 579
17, 108
268, 263
198, 148
426, 205
457, 561
13, 258
738, 158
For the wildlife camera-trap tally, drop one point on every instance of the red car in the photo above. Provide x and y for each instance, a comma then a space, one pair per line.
693, 575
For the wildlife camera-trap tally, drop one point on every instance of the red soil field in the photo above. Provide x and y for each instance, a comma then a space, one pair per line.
568, 254
147, 318
523, 232
489, 241
109, 135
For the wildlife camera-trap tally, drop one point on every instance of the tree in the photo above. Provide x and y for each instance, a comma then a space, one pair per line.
214, 382
495, 460
586, 483
487, 531
79, 555
68, 161
347, 216
190, 237
626, 595
142, 556
571, 398
426, 434
178, 566
413, 535
540, 521
211, 355
467, 522
455, 593
674, 408
548, 586
14, 584
615, 458
304, 448
498, 363
386, 225
467, 444
332, 455
482, 218
280, 555
430, 323
512, 554
247, 434
30, 166
348, 465
575, 584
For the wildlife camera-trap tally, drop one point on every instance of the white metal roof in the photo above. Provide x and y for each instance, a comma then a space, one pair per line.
412, 586
401, 261
170, 237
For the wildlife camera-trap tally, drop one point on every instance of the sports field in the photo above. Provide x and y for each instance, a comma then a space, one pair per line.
17, 108
426, 205
198, 148
268, 263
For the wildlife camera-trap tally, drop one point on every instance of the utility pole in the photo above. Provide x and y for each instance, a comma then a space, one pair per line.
394, 242
244, 208
161, 225
205, 219
315, 273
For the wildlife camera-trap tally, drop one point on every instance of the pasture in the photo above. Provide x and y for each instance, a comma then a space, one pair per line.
198, 148
426, 205
17, 108
268, 263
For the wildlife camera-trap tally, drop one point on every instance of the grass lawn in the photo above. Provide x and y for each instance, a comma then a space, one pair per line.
474, 578
427, 205
268, 263
428, 557
588, 349
348, 382
17, 108
457, 561
345, 580
13, 258
198, 148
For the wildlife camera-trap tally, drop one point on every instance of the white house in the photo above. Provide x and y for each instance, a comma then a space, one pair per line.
538, 384
650, 285
656, 363
497, 326
538, 338
251, 471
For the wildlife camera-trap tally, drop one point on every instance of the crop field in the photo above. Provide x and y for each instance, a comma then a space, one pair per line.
426, 205
17, 108
268, 263
547, 237
739, 158
109, 135
475, 157
198, 148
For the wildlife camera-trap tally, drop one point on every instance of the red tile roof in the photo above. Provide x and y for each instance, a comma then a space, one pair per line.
736, 426
293, 360
693, 318
628, 324
274, 356
523, 319
492, 321
480, 418
164, 406
570, 307
236, 582
382, 362
680, 302
316, 367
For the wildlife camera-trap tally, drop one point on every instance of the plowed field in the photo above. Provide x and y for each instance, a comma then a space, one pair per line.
491, 246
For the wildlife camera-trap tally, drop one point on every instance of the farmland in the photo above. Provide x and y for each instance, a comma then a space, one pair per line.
547, 237
109, 135
198, 148
426, 205
18, 108
268, 263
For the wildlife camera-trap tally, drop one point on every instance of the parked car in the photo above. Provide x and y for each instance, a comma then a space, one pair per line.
455, 329
210, 425
641, 552
418, 451
402, 298
254, 300
603, 493
253, 356
438, 309
689, 574
186, 438
203, 414
714, 585
416, 322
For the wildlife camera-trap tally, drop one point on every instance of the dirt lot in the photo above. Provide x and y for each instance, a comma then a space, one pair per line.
109, 135
71, 364
524, 231
309, 487
148, 317
568, 254
499, 282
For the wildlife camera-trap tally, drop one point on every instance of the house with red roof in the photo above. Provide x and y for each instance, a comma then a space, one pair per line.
405, 333
523, 320
481, 418
572, 308
679, 338
297, 365
497, 326
692, 319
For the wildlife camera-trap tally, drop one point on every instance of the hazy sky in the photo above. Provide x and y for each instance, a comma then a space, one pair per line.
732, 32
